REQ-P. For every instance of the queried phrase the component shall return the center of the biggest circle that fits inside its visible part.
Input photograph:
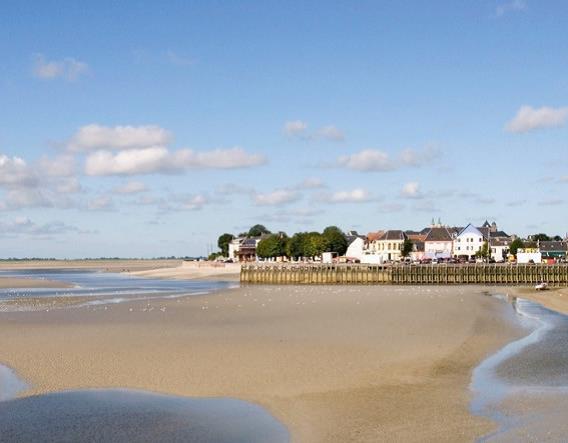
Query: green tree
(296, 245)
(314, 245)
(540, 237)
(213, 256)
(257, 231)
(515, 246)
(557, 238)
(407, 247)
(223, 243)
(483, 251)
(272, 246)
(335, 240)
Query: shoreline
(331, 363)
(555, 299)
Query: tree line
(300, 244)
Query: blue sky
(147, 129)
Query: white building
(390, 244)
(438, 243)
(468, 242)
(355, 249)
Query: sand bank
(195, 270)
(16, 283)
(100, 265)
(333, 363)
(553, 298)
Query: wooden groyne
(439, 274)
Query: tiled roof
(393, 235)
(549, 246)
(438, 234)
(372, 236)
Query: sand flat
(332, 363)
(19, 283)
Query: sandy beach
(195, 270)
(119, 265)
(332, 363)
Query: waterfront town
(436, 243)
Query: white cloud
(411, 190)
(62, 166)
(411, 157)
(529, 119)
(132, 187)
(68, 68)
(194, 203)
(95, 137)
(18, 198)
(367, 160)
(277, 197)
(299, 129)
(357, 195)
(69, 185)
(295, 128)
(310, 183)
(23, 226)
(330, 133)
(14, 171)
(512, 6)
(41, 184)
(101, 203)
(158, 159)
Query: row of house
(434, 242)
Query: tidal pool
(116, 415)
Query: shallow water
(134, 416)
(10, 384)
(107, 287)
(525, 384)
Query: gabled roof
(550, 246)
(500, 234)
(438, 234)
(393, 235)
(470, 229)
(416, 237)
(372, 236)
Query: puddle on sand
(10, 384)
(117, 415)
(525, 384)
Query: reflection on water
(528, 375)
(135, 416)
(111, 288)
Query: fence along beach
(475, 274)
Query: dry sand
(118, 265)
(333, 363)
(195, 270)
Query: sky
(145, 129)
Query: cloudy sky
(145, 129)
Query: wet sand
(332, 363)
(28, 283)
(553, 298)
